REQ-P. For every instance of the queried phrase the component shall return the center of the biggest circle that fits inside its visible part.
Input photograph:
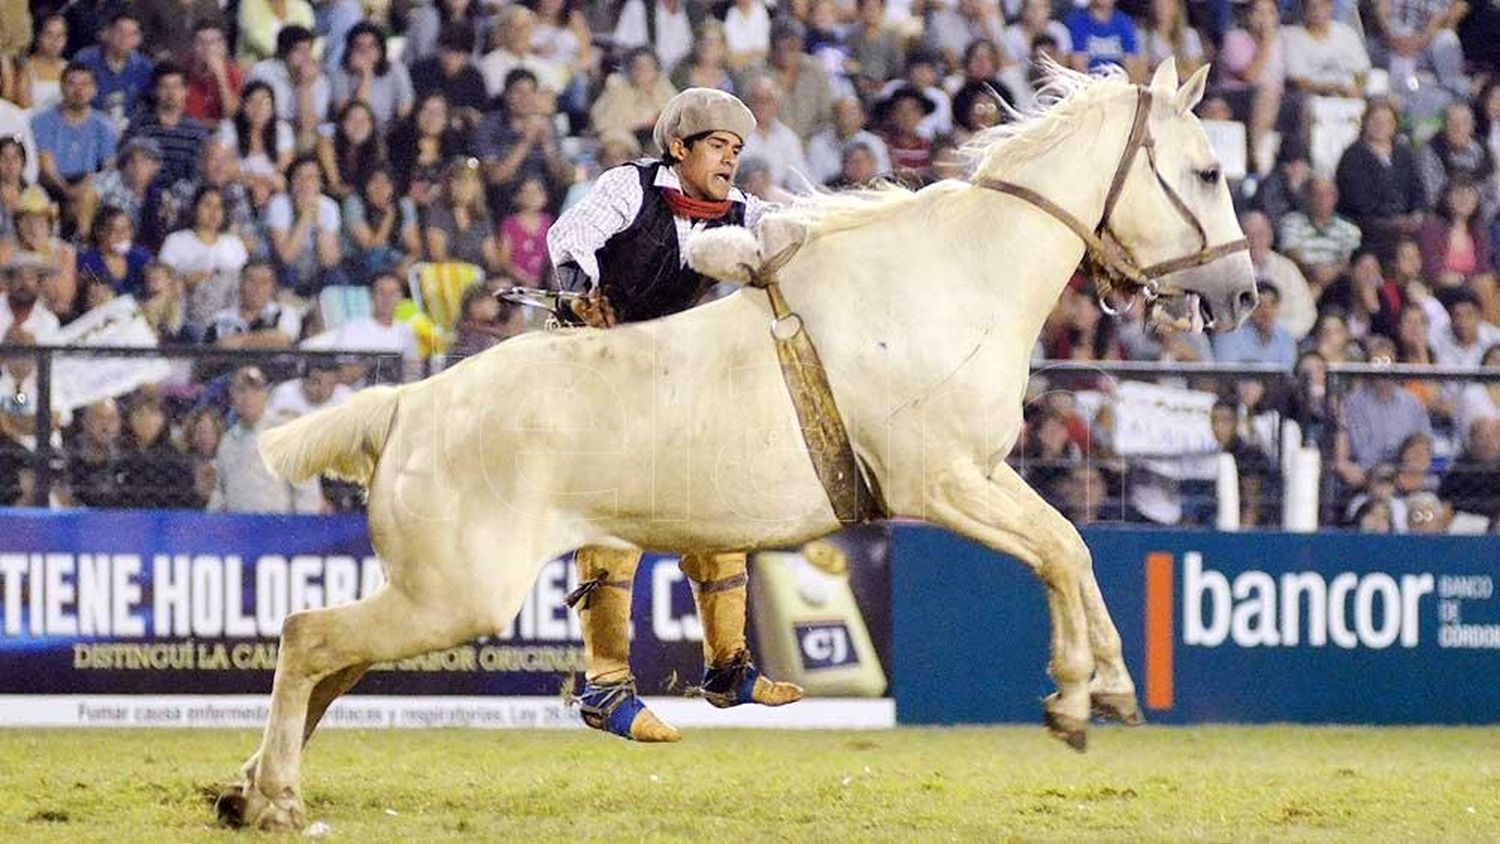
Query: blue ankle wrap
(610, 707)
(731, 685)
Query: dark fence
(1381, 449)
(1115, 441)
(139, 426)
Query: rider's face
(707, 168)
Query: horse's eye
(1209, 176)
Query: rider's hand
(595, 310)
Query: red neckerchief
(695, 209)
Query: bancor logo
(1256, 609)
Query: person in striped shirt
(1316, 237)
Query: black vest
(640, 268)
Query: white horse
(678, 434)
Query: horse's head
(1175, 216)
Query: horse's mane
(1063, 97)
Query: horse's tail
(342, 442)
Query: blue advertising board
(1250, 627)
(148, 604)
(1217, 627)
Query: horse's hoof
(230, 806)
(1074, 732)
(1071, 731)
(281, 818)
(1117, 706)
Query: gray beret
(699, 110)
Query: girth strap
(853, 498)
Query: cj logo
(824, 644)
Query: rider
(623, 246)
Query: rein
(1107, 260)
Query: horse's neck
(998, 263)
(1076, 171)
(1075, 174)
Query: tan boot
(730, 677)
(608, 700)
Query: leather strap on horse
(851, 495)
(1107, 260)
(1106, 255)
(1139, 126)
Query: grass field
(1151, 783)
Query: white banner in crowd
(1153, 421)
(79, 380)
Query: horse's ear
(1192, 91)
(1165, 78)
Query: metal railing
(1126, 472)
(385, 367)
(1341, 379)
(1285, 401)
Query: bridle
(1109, 261)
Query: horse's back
(668, 419)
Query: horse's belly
(733, 468)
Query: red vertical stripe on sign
(1159, 638)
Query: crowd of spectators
(275, 174)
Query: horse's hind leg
(1003, 513)
(324, 693)
(328, 690)
(329, 646)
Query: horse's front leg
(1112, 691)
(1000, 511)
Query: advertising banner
(168, 605)
(1217, 627)
(1152, 420)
